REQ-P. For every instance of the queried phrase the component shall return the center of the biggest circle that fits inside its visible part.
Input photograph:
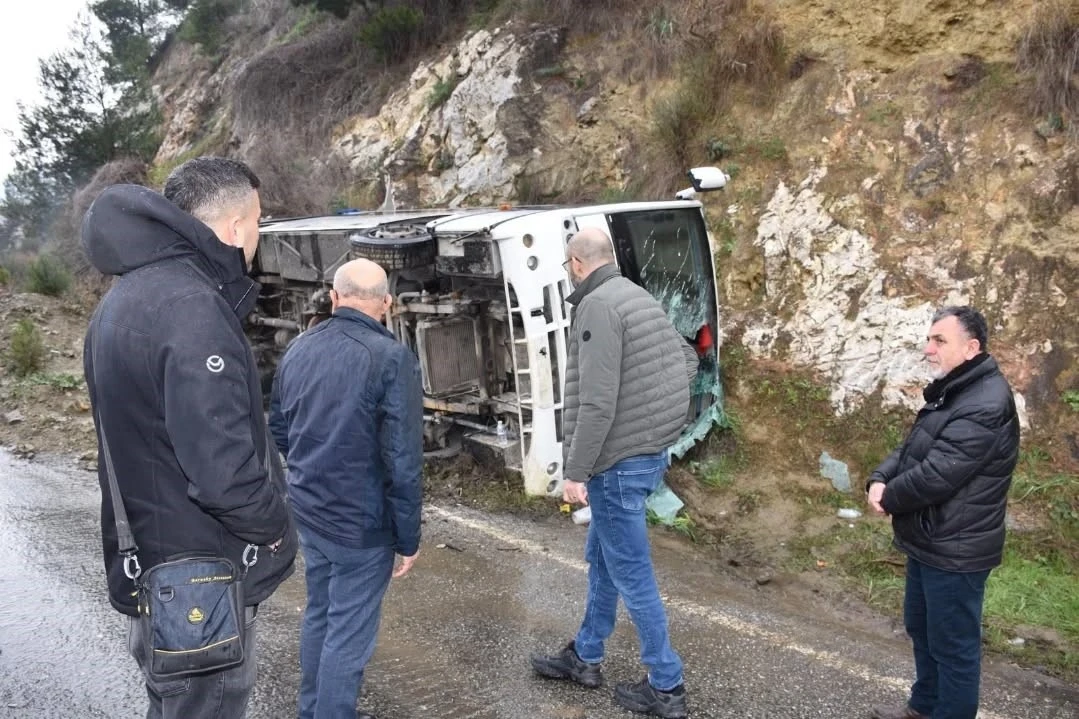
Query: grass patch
(1048, 56)
(1033, 594)
(1037, 586)
(26, 353)
(60, 381)
(1069, 397)
(884, 114)
(682, 524)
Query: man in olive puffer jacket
(946, 489)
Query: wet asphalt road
(456, 633)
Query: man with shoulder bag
(195, 523)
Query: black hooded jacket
(174, 385)
(947, 484)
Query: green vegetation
(1033, 595)
(26, 353)
(205, 24)
(5, 276)
(1069, 397)
(441, 91)
(47, 276)
(392, 32)
(60, 381)
(1048, 56)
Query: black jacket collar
(960, 377)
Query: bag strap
(125, 540)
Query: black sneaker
(644, 698)
(567, 665)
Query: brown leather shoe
(894, 712)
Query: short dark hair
(971, 320)
(208, 186)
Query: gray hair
(345, 286)
(208, 187)
(970, 319)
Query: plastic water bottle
(582, 515)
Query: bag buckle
(251, 555)
(131, 567)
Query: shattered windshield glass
(665, 251)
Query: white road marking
(710, 614)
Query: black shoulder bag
(191, 608)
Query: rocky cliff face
(905, 171)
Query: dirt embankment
(47, 410)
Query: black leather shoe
(567, 665)
(644, 698)
(895, 712)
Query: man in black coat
(176, 392)
(946, 490)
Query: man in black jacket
(347, 411)
(176, 392)
(946, 489)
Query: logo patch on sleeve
(586, 335)
(215, 364)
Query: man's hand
(874, 497)
(404, 565)
(575, 492)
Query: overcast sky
(29, 30)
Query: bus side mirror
(708, 178)
(704, 179)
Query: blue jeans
(620, 565)
(345, 587)
(943, 615)
(217, 695)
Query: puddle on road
(61, 644)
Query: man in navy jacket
(175, 390)
(347, 412)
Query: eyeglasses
(565, 265)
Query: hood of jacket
(129, 226)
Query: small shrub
(392, 32)
(676, 119)
(1070, 397)
(26, 354)
(46, 276)
(5, 276)
(441, 91)
(1049, 54)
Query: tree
(135, 29)
(81, 122)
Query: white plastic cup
(582, 515)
